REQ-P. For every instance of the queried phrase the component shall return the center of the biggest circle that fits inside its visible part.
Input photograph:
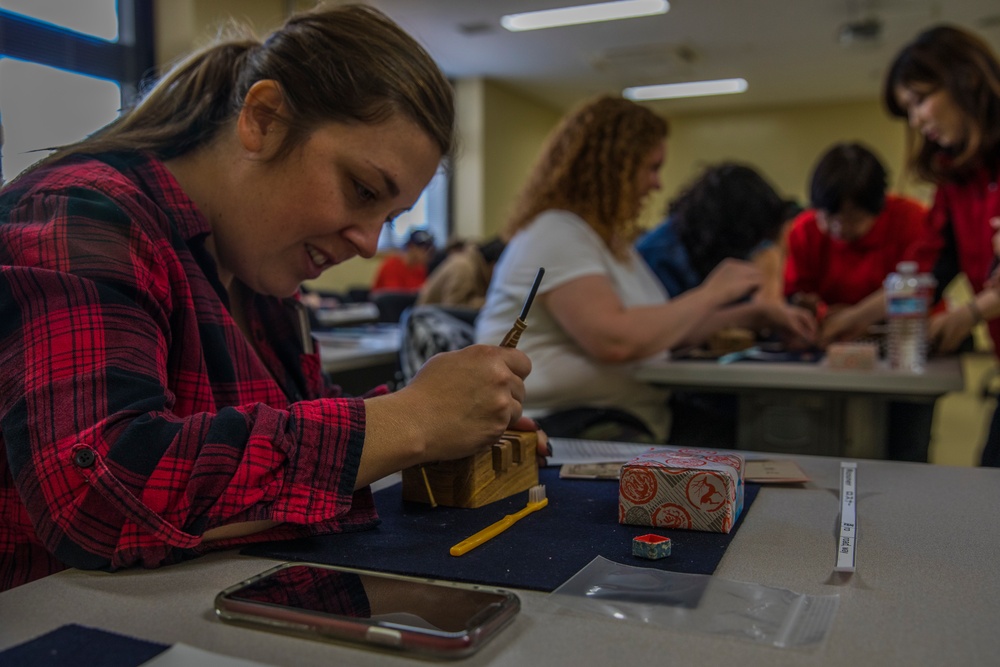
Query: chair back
(427, 330)
(392, 304)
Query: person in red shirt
(840, 250)
(161, 397)
(407, 271)
(946, 84)
(839, 253)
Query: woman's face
(649, 171)
(322, 204)
(934, 113)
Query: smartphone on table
(377, 609)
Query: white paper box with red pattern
(692, 489)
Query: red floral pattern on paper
(706, 491)
(726, 459)
(684, 462)
(671, 515)
(692, 451)
(638, 485)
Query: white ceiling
(788, 50)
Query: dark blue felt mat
(539, 552)
(76, 645)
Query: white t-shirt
(563, 375)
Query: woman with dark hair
(852, 237)
(730, 211)
(946, 83)
(161, 396)
(599, 310)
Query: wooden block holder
(510, 466)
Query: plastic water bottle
(907, 297)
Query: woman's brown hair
(589, 166)
(347, 64)
(945, 57)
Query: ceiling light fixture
(689, 89)
(601, 11)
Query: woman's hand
(468, 398)
(798, 324)
(810, 301)
(732, 280)
(457, 404)
(529, 424)
(946, 331)
(993, 280)
(844, 324)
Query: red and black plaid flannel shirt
(135, 415)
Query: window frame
(127, 61)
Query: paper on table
(594, 459)
(780, 471)
(568, 450)
(610, 470)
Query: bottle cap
(906, 267)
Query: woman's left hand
(529, 424)
(797, 323)
(844, 324)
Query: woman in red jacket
(946, 83)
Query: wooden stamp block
(510, 466)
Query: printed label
(906, 306)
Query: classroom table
(926, 590)
(360, 358)
(347, 314)
(351, 348)
(808, 408)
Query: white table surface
(943, 374)
(358, 347)
(926, 592)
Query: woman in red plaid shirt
(159, 396)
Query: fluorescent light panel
(689, 89)
(602, 11)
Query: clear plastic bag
(699, 603)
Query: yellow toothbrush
(536, 501)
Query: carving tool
(536, 501)
(514, 335)
(510, 340)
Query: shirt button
(84, 458)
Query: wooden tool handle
(514, 335)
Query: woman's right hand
(457, 404)
(733, 280)
(468, 397)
